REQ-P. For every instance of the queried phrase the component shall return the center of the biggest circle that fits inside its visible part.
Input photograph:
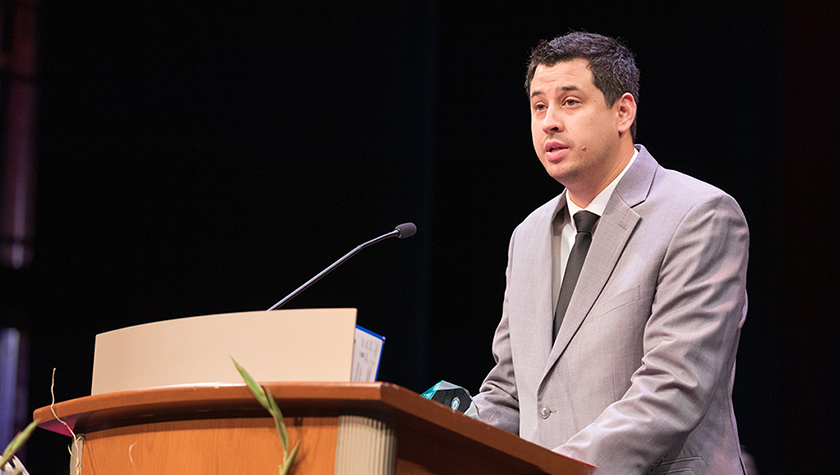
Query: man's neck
(583, 195)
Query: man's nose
(552, 121)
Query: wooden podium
(343, 428)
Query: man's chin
(559, 172)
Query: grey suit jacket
(639, 379)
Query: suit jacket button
(545, 412)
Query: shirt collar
(599, 204)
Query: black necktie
(584, 222)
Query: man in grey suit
(639, 376)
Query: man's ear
(626, 109)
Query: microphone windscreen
(406, 230)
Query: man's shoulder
(672, 185)
(673, 195)
(682, 185)
(676, 190)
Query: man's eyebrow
(565, 88)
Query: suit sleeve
(690, 340)
(497, 401)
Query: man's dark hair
(613, 67)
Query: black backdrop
(208, 157)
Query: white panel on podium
(282, 345)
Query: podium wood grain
(223, 430)
(247, 445)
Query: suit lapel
(542, 322)
(614, 230)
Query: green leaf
(18, 442)
(278, 421)
(255, 388)
(289, 459)
(266, 399)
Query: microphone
(405, 230)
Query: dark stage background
(209, 157)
